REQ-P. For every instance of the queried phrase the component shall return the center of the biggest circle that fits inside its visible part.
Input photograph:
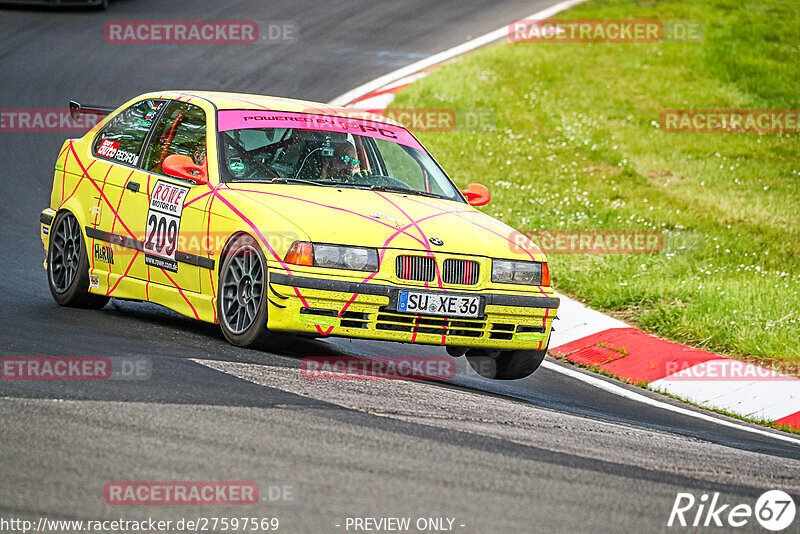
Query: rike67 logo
(774, 510)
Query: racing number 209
(163, 225)
(162, 234)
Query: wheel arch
(59, 212)
(226, 249)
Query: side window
(121, 139)
(401, 165)
(181, 130)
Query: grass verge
(576, 145)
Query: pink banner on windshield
(239, 119)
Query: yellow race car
(274, 217)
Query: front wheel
(242, 298)
(505, 365)
(68, 265)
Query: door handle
(133, 186)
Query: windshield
(299, 148)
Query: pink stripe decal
(124, 274)
(64, 177)
(347, 305)
(544, 323)
(114, 222)
(86, 173)
(406, 227)
(470, 212)
(415, 223)
(217, 194)
(208, 247)
(181, 292)
(97, 213)
(78, 184)
(329, 207)
(466, 212)
(187, 204)
(416, 325)
(239, 119)
(147, 284)
(370, 277)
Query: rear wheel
(68, 265)
(242, 298)
(505, 365)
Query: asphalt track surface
(544, 454)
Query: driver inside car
(341, 165)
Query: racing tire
(505, 365)
(68, 265)
(242, 298)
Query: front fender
(232, 212)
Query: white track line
(414, 68)
(632, 395)
(441, 57)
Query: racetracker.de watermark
(75, 368)
(147, 524)
(605, 31)
(441, 119)
(45, 120)
(181, 493)
(391, 368)
(201, 32)
(161, 241)
(589, 241)
(727, 370)
(731, 121)
(194, 493)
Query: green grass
(576, 145)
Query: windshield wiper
(291, 181)
(394, 189)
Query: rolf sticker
(163, 225)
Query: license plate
(439, 304)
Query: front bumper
(333, 307)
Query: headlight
(333, 256)
(520, 272)
(353, 258)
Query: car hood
(387, 220)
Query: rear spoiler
(76, 109)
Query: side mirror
(477, 194)
(181, 166)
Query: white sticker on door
(163, 225)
